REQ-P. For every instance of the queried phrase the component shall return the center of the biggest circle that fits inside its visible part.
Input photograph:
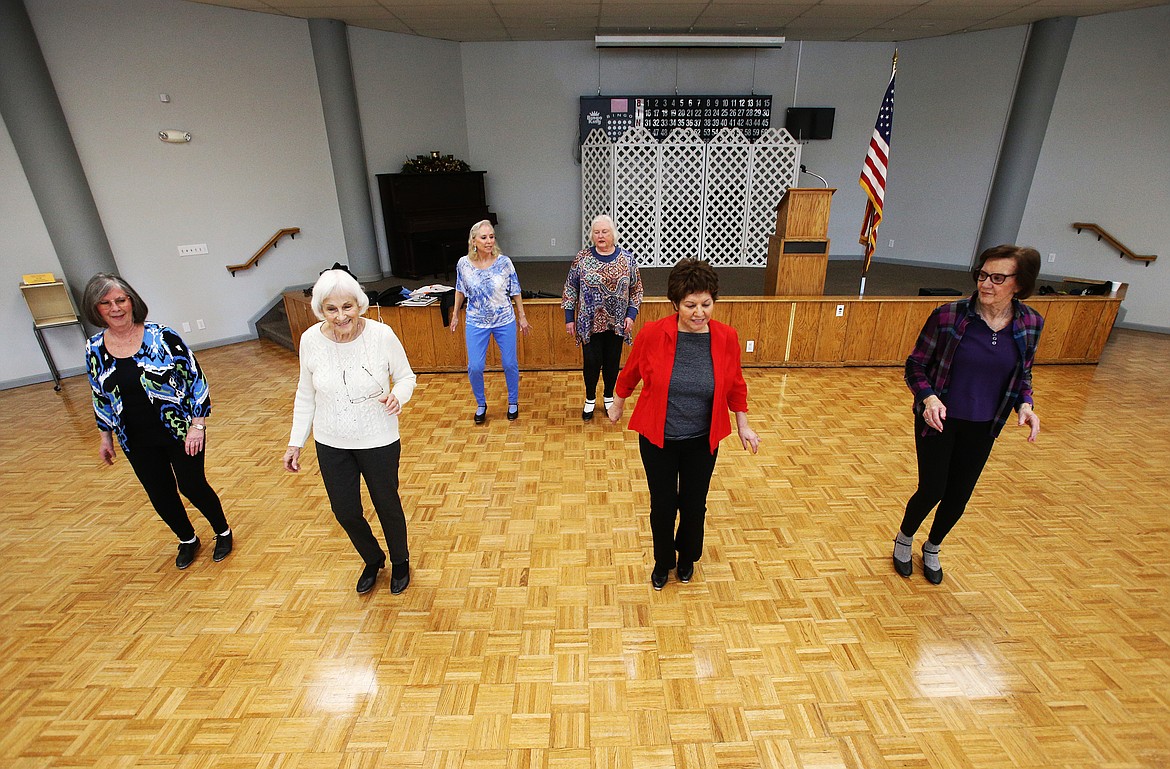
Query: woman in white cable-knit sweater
(355, 379)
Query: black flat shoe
(933, 576)
(686, 571)
(223, 547)
(587, 415)
(480, 417)
(658, 580)
(399, 583)
(513, 414)
(905, 568)
(187, 551)
(366, 581)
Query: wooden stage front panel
(787, 331)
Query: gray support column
(347, 151)
(1044, 57)
(36, 122)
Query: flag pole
(873, 175)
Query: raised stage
(787, 331)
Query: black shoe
(480, 417)
(658, 579)
(905, 568)
(933, 576)
(685, 572)
(513, 414)
(399, 577)
(187, 551)
(588, 415)
(223, 547)
(367, 579)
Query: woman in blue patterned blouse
(486, 282)
(971, 367)
(603, 292)
(150, 392)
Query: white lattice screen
(683, 197)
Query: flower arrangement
(436, 162)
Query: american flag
(873, 173)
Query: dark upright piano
(428, 217)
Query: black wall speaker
(805, 123)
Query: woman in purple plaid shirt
(971, 367)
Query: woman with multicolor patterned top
(486, 283)
(603, 292)
(149, 391)
(971, 367)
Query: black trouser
(603, 357)
(949, 465)
(679, 476)
(341, 471)
(164, 471)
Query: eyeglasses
(366, 388)
(995, 277)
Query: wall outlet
(193, 250)
(552, 242)
(199, 324)
(751, 345)
(1052, 257)
(186, 327)
(840, 310)
(891, 242)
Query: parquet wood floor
(530, 635)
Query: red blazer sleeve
(737, 387)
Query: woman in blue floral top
(149, 391)
(486, 283)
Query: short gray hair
(338, 283)
(608, 220)
(98, 286)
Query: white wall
(26, 248)
(522, 110)
(410, 96)
(244, 85)
(1106, 159)
(952, 99)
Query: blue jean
(477, 344)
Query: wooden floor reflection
(530, 635)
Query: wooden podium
(798, 252)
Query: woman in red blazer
(689, 367)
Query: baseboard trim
(67, 373)
(1143, 327)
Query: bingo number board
(662, 114)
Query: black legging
(164, 471)
(342, 471)
(678, 476)
(949, 465)
(603, 357)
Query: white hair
(608, 220)
(338, 283)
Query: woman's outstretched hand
(292, 459)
